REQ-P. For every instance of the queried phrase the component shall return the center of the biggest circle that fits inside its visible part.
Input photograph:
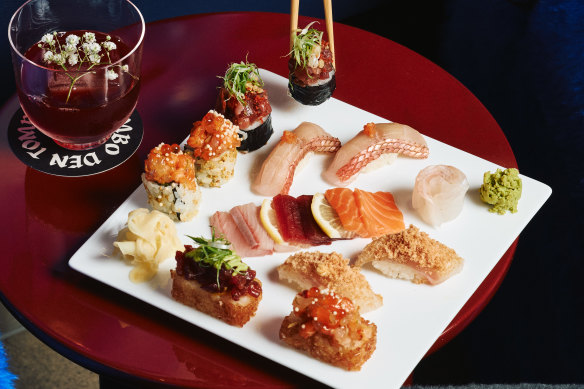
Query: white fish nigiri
(439, 193)
(374, 141)
(277, 171)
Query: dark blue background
(525, 61)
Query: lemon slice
(327, 218)
(270, 222)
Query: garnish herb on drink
(76, 53)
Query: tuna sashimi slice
(379, 213)
(312, 231)
(289, 219)
(343, 202)
(224, 224)
(295, 221)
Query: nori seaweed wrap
(312, 95)
(254, 138)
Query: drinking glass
(77, 67)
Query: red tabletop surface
(47, 218)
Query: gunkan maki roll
(243, 100)
(312, 72)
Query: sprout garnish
(215, 253)
(237, 77)
(304, 42)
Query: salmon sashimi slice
(367, 214)
(343, 202)
(379, 213)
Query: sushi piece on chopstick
(213, 143)
(278, 169)
(243, 100)
(370, 148)
(311, 67)
(169, 179)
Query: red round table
(47, 218)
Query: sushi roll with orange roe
(311, 69)
(243, 100)
(213, 143)
(169, 179)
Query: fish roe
(322, 311)
(212, 136)
(167, 164)
(369, 130)
(289, 137)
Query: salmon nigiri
(365, 213)
(374, 141)
(277, 171)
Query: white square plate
(412, 316)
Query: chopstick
(328, 16)
(293, 21)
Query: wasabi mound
(502, 190)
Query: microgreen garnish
(215, 252)
(305, 41)
(77, 51)
(239, 76)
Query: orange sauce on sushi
(167, 164)
(212, 136)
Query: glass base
(82, 146)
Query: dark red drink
(79, 107)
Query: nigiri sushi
(375, 140)
(439, 193)
(311, 68)
(213, 143)
(329, 271)
(277, 171)
(411, 255)
(169, 179)
(243, 100)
